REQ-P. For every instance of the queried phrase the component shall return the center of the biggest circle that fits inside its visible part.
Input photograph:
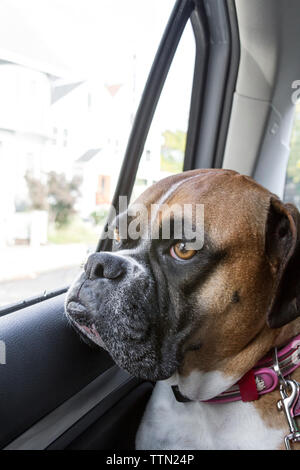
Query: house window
(89, 100)
(65, 139)
(103, 190)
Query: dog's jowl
(202, 322)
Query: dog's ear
(283, 253)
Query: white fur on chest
(168, 424)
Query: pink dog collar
(261, 379)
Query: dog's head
(160, 307)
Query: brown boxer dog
(199, 319)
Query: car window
(164, 149)
(292, 184)
(70, 83)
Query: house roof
(87, 156)
(113, 89)
(60, 89)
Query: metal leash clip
(289, 391)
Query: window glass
(292, 184)
(71, 77)
(165, 146)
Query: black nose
(104, 265)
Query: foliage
(37, 193)
(292, 189)
(62, 197)
(293, 169)
(172, 151)
(57, 194)
(175, 140)
(99, 216)
(75, 232)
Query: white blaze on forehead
(169, 193)
(182, 215)
(144, 225)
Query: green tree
(37, 192)
(57, 194)
(292, 186)
(293, 169)
(175, 140)
(172, 151)
(62, 197)
(99, 217)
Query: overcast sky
(83, 36)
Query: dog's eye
(117, 237)
(179, 251)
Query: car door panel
(46, 364)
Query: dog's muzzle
(97, 267)
(114, 304)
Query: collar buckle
(289, 392)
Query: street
(26, 272)
(20, 289)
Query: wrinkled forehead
(233, 206)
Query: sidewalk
(24, 262)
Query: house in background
(53, 124)
(70, 126)
(97, 181)
(25, 97)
